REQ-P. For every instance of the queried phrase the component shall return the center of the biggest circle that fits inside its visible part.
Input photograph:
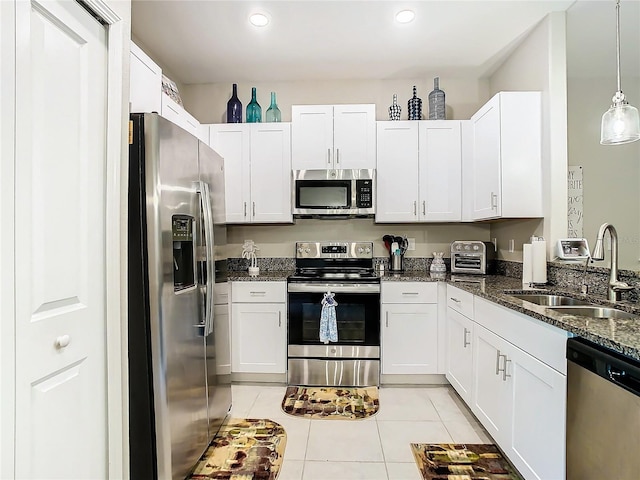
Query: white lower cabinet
(460, 353)
(519, 398)
(258, 327)
(409, 328)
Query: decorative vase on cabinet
(273, 112)
(414, 105)
(395, 109)
(234, 107)
(436, 102)
(254, 112)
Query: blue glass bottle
(234, 107)
(254, 112)
(273, 112)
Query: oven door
(357, 318)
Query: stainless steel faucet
(616, 287)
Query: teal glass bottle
(273, 112)
(254, 112)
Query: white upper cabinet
(174, 112)
(397, 172)
(257, 170)
(145, 82)
(419, 171)
(333, 136)
(506, 157)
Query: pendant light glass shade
(620, 124)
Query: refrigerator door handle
(205, 201)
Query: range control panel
(334, 250)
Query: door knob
(62, 341)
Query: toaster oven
(470, 256)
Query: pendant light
(620, 124)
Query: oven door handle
(333, 287)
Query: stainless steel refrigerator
(177, 401)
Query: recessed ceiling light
(405, 16)
(259, 19)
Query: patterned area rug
(331, 403)
(244, 449)
(445, 461)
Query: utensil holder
(396, 262)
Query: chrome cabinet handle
(254, 209)
(424, 207)
(245, 209)
(465, 343)
(494, 201)
(328, 155)
(498, 370)
(410, 293)
(415, 208)
(337, 155)
(504, 372)
(387, 319)
(455, 299)
(257, 293)
(279, 319)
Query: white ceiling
(212, 41)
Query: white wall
(611, 174)
(539, 63)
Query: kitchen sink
(548, 300)
(593, 311)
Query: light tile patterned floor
(372, 449)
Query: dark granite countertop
(263, 276)
(620, 335)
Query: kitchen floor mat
(444, 461)
(331, 403)
(244, 448)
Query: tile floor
(374, 449)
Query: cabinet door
(177, 114)
(486, 161)
(491, 397)
(258, 338)
(537, 444)
(460, 353)
(397, 172)
(409, 338)
(232, 141)
(440, 171)
(271, 173)
(222, 339)
(354, 136)
(311, 137)
(145, 82)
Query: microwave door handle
(205, 198)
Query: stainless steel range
(344, 269)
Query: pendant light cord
(618, 41)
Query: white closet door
(60, 171)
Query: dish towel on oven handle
(328, 322)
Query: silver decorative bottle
(436, 102)
(395, 109)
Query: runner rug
(447, 461)
(244, 449)
(331, 403)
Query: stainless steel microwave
(333, 193)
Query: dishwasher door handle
(622, 378)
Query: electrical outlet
(411, 244)
(511, 245)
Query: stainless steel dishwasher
(603, 413)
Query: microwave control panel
(364, 193)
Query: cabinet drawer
(460, 301)
(258, 292)
(409, 292)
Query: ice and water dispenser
(183, 262)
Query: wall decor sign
(575, 206)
